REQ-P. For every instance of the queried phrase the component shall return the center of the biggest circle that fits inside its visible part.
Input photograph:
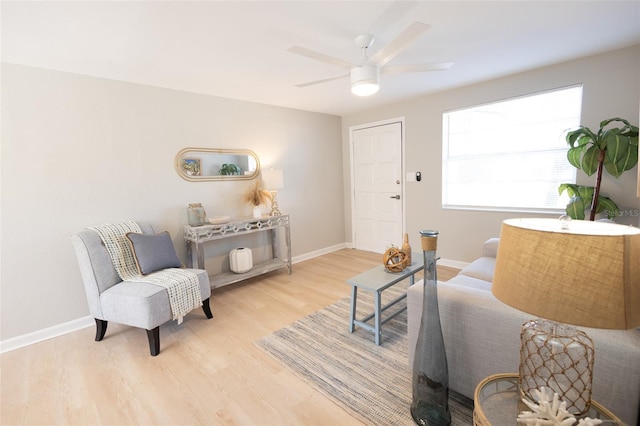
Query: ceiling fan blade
(399, 43)
(312, 54)
(391, 15)
(401, 69)
(325, 80)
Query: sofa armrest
(482, 268)
(490, 247)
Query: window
(510, 155)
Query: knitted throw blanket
(181, 285)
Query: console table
(199, 236)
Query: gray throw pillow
(153, 252)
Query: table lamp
(577, 272)
(273, 180)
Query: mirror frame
(194, 151)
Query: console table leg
(274, 244)
(189, 255)
(287, 234)
(200, 253)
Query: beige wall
(79, 151)
(611, 89)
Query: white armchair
(138, 304)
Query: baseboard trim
(45, 334)
(317, 253)
(88, 321)
(453, 263)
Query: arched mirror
(204, 164)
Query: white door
(377, 187)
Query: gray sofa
(482, 337)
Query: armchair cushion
(142, 304)
(153, 252)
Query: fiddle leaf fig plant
(229, 169)
(577, 205)
(614, 149)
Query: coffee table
(377, 280)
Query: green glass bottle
(430, 400)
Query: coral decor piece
(550, 411)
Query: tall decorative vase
(430, 401)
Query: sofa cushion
(481, 268)
(153, 252)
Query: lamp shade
(273, 179)
(587, 275)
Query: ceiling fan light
(364, 80)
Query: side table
(497, 403)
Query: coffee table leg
(378, 316)
(354, 298)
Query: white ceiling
(238, 49)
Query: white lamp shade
(273, 179)
(364, 80)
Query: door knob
(397, 197)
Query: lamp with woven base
(581, 273)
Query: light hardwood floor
(208, 371)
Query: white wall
(79, 151)
(611, 89)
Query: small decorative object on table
(430, 400)
(240, 260)
(497, 401)
(219, 220)
(394, 260)
(549, 410)
(257, 197)
(406, 249)
(196, 216)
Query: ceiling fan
(365, 76)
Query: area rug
(372, 382)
